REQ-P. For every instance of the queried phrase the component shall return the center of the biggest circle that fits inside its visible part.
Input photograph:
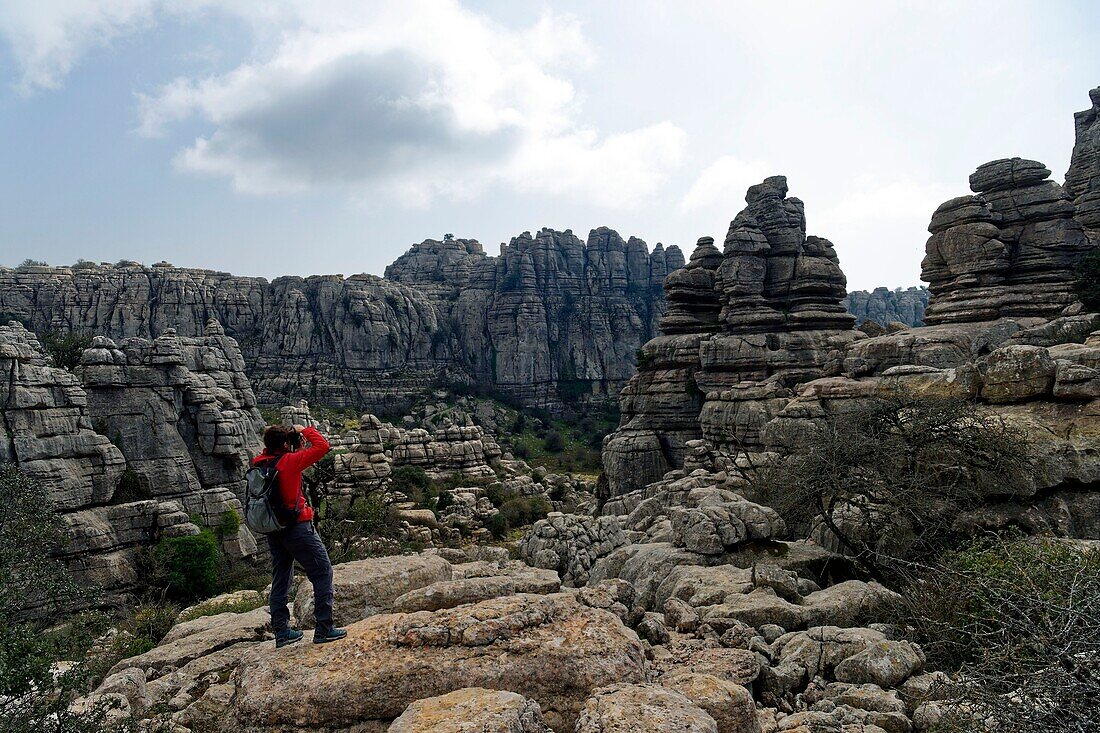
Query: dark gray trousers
(300, 543)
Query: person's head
(281, 439)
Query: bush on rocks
(1019, 620)
(187, 567)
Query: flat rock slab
(199, 638)
(549, 648)
(451, 593)
(643, 709)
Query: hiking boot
(324, 636)
(282, 638)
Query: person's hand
(299, 428)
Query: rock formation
(144, 436)
(1008, 251)
(885, 306)
(743, 327)
(551, 318)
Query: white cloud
(48, 36)
(412, 100)
(724, 183)
(873, 200)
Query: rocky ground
(448, 639)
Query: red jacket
(290, 467)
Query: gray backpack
(260, 512)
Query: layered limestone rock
(551, 318)
(364, 467)
(1083, 176)
(886, 307)
(743, 328)
(557, 651)
(143, 436)
(1050, 393)
(46, 428)
(1008, 251)
(465, 450)
(180, 409)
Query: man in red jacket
(299, 540)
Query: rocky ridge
(744, 326)
(551, 318)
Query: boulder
(642, 708)
(885, 663)
(472, 709)
(451, 593)
(367, 587)
(729, 703)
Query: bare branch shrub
(884, 478)
(1017, 623)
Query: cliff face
(552, 315)
(142, 436)
(885, 306)
(551, 318)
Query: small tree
(35, 587)
(67, 347)
(554, 442)
(885, 479)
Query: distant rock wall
(551, 319)
(885, 306)
(553, 315)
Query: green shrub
(1019, 621)
(497, 525)
(187, 567)
(66, 348)
(152, 620)
(226, 606)
(524, 510)
(496, 494)
(31, 577)
(229, 523)
(554, 442)
(409, 480)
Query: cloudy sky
(293, 136)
